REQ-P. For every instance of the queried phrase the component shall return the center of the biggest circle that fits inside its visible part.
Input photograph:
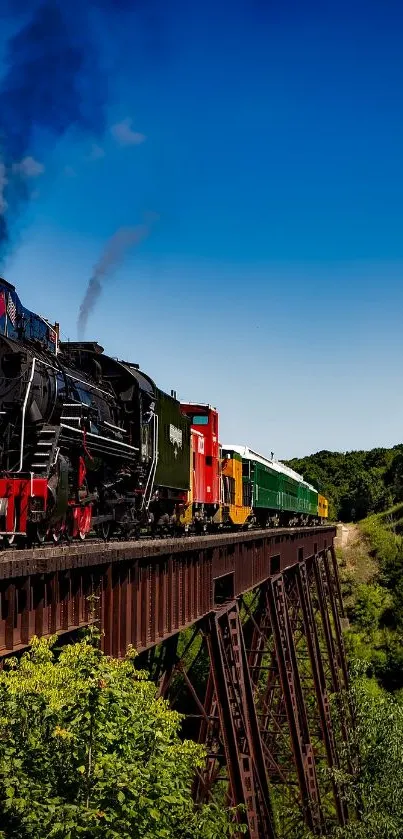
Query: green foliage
(394, 477)
(375, 608)
(375, 793)
(381, 536)
(87, 750)
(356, 483)
(374, 642)
(371, 602)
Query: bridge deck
(148, 589)
(21, 562)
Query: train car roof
(276, 465)
(199, 405)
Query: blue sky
(268, 138)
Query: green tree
(357, 482)
(87, 750)
(366, 494)
(394, 478)
(374, 792)
(370, 603)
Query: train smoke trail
(112, 256)
(53, 81)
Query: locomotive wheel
(104, 530)
(57, 533)
(41, 532)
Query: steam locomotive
(89, 443)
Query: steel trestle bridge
(262, 610)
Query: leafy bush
(375, 608)
(375, 793)
(87, 750)
(370, 604)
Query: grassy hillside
(372, 578)
(371, 564)
(357, 483)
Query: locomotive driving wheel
(104, 530)
(41, 531)
(57, 533)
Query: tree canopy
(357, 483)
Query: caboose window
(200, 420)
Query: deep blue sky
(271, 285)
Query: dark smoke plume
(112, 256)
(53, 82)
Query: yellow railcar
(323, 507)
(234, 508)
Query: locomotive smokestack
(113, 255)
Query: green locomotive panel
(173, 468)
(266, 488)
(273, 489)
(309, 500)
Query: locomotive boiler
(87, 441)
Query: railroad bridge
(242, 633)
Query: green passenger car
(308, 499)
(278, 493)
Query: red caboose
(205, 466)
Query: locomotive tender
(89, 443)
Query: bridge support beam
(263, 711)
(243, 747)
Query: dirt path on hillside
(355, 553)
(350, 533)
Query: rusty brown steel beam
(148, 590)
(236, 550)
(286, 736)
(318, 674)
(294, 703)
(332, 657)
(334, 595)
(239, 726)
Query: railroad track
(40, 559)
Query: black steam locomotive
(87, 442)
